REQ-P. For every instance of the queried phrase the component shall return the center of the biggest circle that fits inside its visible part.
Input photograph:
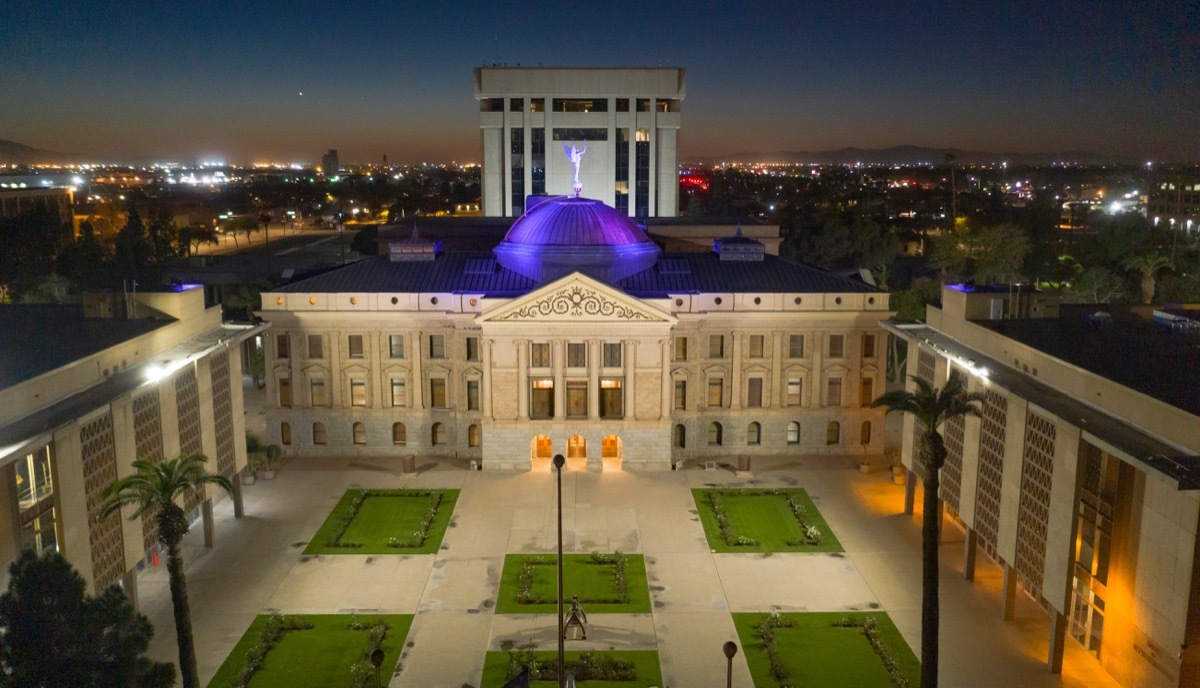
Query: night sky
(197, 80)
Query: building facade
(83, 394)
(627, 119)
(576, 335)
(1175, 205)
(1081, 476)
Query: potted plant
(254, 453)
(270, 455)
(899, 473)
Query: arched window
(360, 433)
(399, 433)
(833, 432)
(318, 433)
(714, 434)
(754, 434)
(793, 433)
(866, 432)
(439, 433)
(285, 433)
(473, 436)
(680, 436)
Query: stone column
(629, 359)
(418, 395)
(910, 492)
(239, 509)
(668, 385)
(210, 529)
(375, 387)
(593, 360)
(1058, 639)
(817, 346)
(1008, 593)
(735, 375)
(522, 380)
(485, 386)
(969, 550)
(558, 361)
(333, 386)
(778, 384)
(129, 587)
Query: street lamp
(730, 649)
(377, 660)
(559, 462)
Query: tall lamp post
(559, 462)
(730, 649)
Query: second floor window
(837, 346)
(577, 399)
(316, 347)
(396, 346)
(399, 394)
(716, 390)
(681, 395)
(612, 355)
(358, 392)
(681, 348)
(354, 346)
(796, 346)
(756, 346)
(716, 346)
(754, 392)
(576, 354)
(472, 348)
(794, 387)
(539, 355)
(285, 392)
(472, 395)
(283, 347)
(316, 392)
(437, 346)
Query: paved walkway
(258, 565)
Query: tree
(161, 233)
(154, 488)
(365, 241)
(190, 238)
(57, 636)
(132, 254)
(931, 407)
(1148, 265)
(1096, 285)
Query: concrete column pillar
(10, 517)
(418, 355)
(129, 586)
(485, 390)
(210, 527)
(910, 492)
(735, 374)
(522, 380)
(817, 346)
(239, 509)
(771, 396)
(1058, 639)
(1008, 594)
(629, 359)
(668, 385)
(558, 359)
(969, 551)
(594, 360)
(333, 386)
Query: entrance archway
(611, 451)
(577, 452)
(541, 449)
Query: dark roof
(1140, 355)
(35, 339)
(476, 272)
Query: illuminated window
(360, 433)
(537, 104)
(399, 393)
(754, 434)
(612, 399)
(399, 433)
(794, 387)
(437, 392)
(539, 355)
(358, 392)
(793, 433)
(754, 392)
(541, 399)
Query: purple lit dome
(565, 234)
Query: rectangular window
(396, 346)
(539, 355)
(580, 104)
(641, 169)
(437, 392)
(541, 399)
(622, 105)
(621, 172)
(866, 391)
(576, 354)
(754, 387)
(316, 392)
(794, 387)
(517, 176)
(516, 104)
(868, 343)
(537, 104)
(837, 346)
(612, 399)
(285, 392)
(612, 355)
(833, 392)
(643, 105)
(716, 346)
(681, 348)
(577, 399)
(716, 391)
(756, 346)
(358, 392)
(283, 347)
(472, 348)
(399, 394)
(437, 346)
(537, 162)
(680, 395)
(354, 346)
(316, 346)
(472, 395)
(796, 346)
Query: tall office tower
(626, 121)
(329, 163)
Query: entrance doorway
(541, 449)
(610, 452)
(577, 452)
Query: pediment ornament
(576, 300)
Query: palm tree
(1148, 265)
(154, 488)
(931, 407)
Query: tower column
(523, 380)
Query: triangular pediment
(577, 298)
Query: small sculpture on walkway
(576, 619)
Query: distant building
(1176, 205)
(329, 163)
(13, 202)
(86, 391)
(1081, 477)
(629, 119)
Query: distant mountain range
(13, 153)
(911, 155)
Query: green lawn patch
(385, 522)
(316, 650)
(763, 520)
(498, 667)
(529, 583)
(826, 649)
